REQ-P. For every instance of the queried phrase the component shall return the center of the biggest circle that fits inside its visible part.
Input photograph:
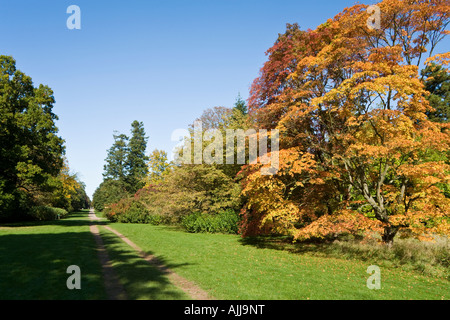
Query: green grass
(34, 257)
(230, 268)
(141, 280)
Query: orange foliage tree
(357, 151)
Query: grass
(34, 257)
(141, 280)
(427, 258)
(232, 268)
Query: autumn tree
(196, 188)
(158, 167)
(351, 110)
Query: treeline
(35, 180)
(362, 115)
(200, 197)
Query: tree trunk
(388, 235)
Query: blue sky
(161, 62)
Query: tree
(80, 200)
(240, 105)
(350, 108)
(196, 188)
(109, 192)
(126, 159)
(158, 167)
(136, 161)
(116, 160)
(31, 151)
(437, 82)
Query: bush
(430, 258)
(222, 222)
(129, 210)
(44, 213)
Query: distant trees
(126, 160)
(109, 191)
(177, 191)
(125, 167)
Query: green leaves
(31, 150)
(437, 82)
(126, 160)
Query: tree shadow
(141, 279)
(33, 266)
(285, 243)
(72, 220)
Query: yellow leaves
(442, 59)
(368, 151)
(354, 106)
(427, 173)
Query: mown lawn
(140, 280)
(230, 268)
(34, 258)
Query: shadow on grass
(33, 266)
(286, 243)
(140, 279)
(34, 262)
(72, 220)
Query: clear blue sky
(161, 62)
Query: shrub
(223, 222)
(45, 213)
(129, 210)
(430, 258)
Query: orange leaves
(345, 221)
(351, 111)
(442, 59)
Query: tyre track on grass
(113, 287)
(189, 287)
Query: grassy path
(190, 288)
(113, 287)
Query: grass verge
(231, 268)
